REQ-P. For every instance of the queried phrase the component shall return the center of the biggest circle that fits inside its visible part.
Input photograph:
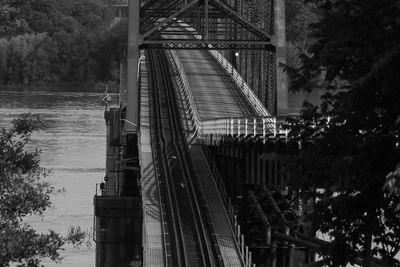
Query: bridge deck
(222, 226)
(214, 92)
(153, 253)
(215, 98)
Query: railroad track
(190, 239)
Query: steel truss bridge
(194, 147)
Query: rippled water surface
(73, 147)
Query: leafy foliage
(22, 193)
(299, 17)
(54, 40)
(350, 144)
(77, 237)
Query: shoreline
(84, 87)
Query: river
(73, 148)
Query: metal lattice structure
(258, 68)
(243, 29)
(206, 22)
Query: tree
(350, 144)
(299, 16)
(22, 193)
(54, 40)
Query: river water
(73, 147)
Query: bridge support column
(130, 188)
(238, 176)
(117, 231)
(131, 120)
(258, 166)
(112, 117)
(122, 83)
(132, 108)
(273, 254)
(280, 39)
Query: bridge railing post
(263, 126)
(226, 126)
(244, 87)
(273, 254)
(250, 264)
(237, 230)
(255, 126)
(247, 255)
(231, 126)
(242, 246)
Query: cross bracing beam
(242, 29)
(227, 10)
(159, 27)
(146, 5)
(151, 17)
(212, 19)
(215, 18)
(206, 45)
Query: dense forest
(51, 41)
(350, 143)
(300, 16)
(48, 41)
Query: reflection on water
(73, 147)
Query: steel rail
(166, 237)
(190, 234)
(170, 196)
(183, 156)
(184, 216)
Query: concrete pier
(118, 226)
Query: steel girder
(209, 17)
(242, 29)
(202, 45)
(158, 15)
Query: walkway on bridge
(216, 95)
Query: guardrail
(120, 11)
(183, 83)
(262, 127)
(241, 83)
(239, 237)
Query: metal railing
(183, 83)
(263, 127)
(244, 251)
(258, 126)
(120, 11)
(241, 83)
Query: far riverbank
(90, 87)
